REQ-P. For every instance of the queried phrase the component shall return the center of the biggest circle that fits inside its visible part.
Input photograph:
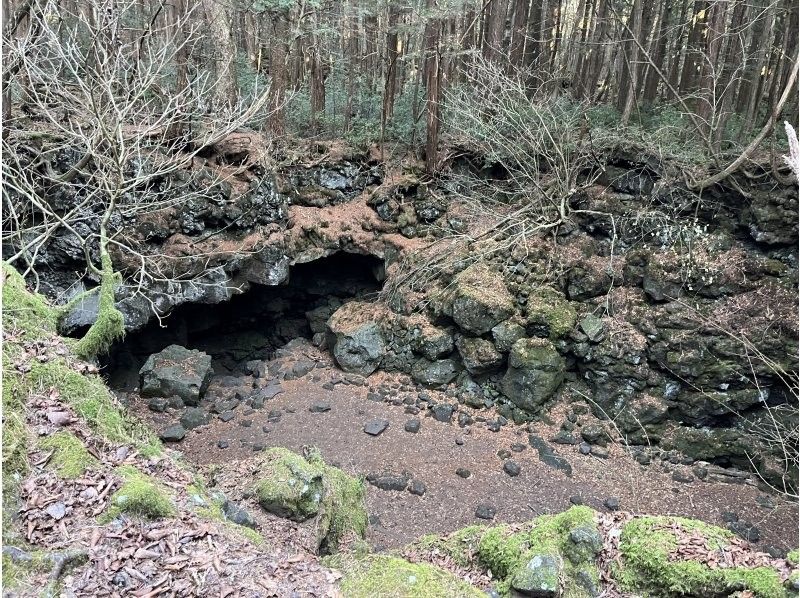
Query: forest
(429, 299)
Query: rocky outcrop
(535, 371)
(176, 371)
(480, 300)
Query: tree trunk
(226, 89)
(279, 28)
(432, 80)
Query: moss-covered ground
(141, 495)
(648, 563)
(69, 456)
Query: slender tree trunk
(226, 90)
(279, 29)
(519, 24)
(432, 89)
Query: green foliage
(648, 566)
(139, 495)
(460, 546)
(383, 575)
(70, 457)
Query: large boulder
(431, 341)
(176, 371)
(480, 300)
(302, 488)
(535, 371)
(356, 339)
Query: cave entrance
(252, 325)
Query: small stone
(223, 444)
(157, 404)
(237, 514)
(585, 448)
(389, 481)
(175, 402)
(227, 416)
(504, 454)
(518, 447)
(512, 468)
(611, 503)
(376, 427)
(274, 416)
(258, 447)
(464, 419)
(320, 407)
(485, 512)
(174, 433)
(374, 396)
(193, 417)
(564, 437)
(329, 386)
(443, 413)
(682, 477)
(579, 409)
(463, 472)
(576, 499)
(246, 423)
(266, 429)
(412, 425)
(417, 488)
(600, 452)
(459, 441)
(56, 511)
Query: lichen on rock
(479, 300)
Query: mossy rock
(650, 567)
(24, 311)
(565, 545)
(535, 371)
(479, 300)
(300, 488)
(139, 495)
(460, 546)
(375, 576)
(549, 310)
(70, 458)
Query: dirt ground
(434, 453)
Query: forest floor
(310, 410)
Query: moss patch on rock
(550, 310)
(139, 495)
(649, 565)
(300, 488)
(70, 458)
(383, 575)
(460, 546)
(24, 311)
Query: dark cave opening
(252, 325)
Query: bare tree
(110, 109)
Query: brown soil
(432, 456)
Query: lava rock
(223, 405)
(389, 481)
(320, 407)
(594, 434)
(480, 300)
(227, 416)
(157, 404)
(434, 373)
(535, 371)
(376, 427)
(547, 456)
(539, 577)
(412, 425)
(194, 417)
(357, 347)
(505, 334)
(463, 473)
(479, 355)
(512, 468)
(176, 371)
(600, 452)
(611, 503)
(484, 511)
(417, 488)
(174, 433)
(432, 342)
(745, 530)
(237, 514)
(585, 448)
(443, 413)
(223, 444)
(564, 437)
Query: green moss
(300, 488)
(214, 512)
(793, 558)
(548, 308)
(383, 575)
(92, 401)
(24, 311)
(139, 495)
(20, 575)
(70, 457)
(646, 545)
(460, 546)
(110, 323)
(505, 553)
